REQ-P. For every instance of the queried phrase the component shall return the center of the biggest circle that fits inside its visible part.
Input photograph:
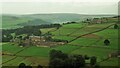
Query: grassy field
(31, 54)
(100, 53)
(68, 29)
(110, 62)
(45, 30)
(91, 45)
(13, 21)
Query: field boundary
(91, 33)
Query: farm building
(114, 54)
(41, 41)
(97, 20)
(38, 41)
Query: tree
(6, 38)
(39, 66)
(58, 54)
(69, 63)
(80, 61)
(86, 57)
(22, 65)
(58, 59)
(28, 66)
(106, 42)
(116, 26)
(56, 63)
(93, 60)
(37, 32)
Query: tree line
(29, 30)
(58, 59)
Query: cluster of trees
(59, 40)
(116, 26)
(106, 42)
(59, 59)
(22, 65)
(69, 22)
(48, 37)
(29, 30)
(6, 35)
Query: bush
(106, 42)
(116, 26)
(22, 65)
(93, 60)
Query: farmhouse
(97, 20)
(114, 54)
(39, 41)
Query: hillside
(16, 21)
(9, 21)
(83, 39)
(63, 17)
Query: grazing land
(83, 39)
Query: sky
(60, 6)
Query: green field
(90, 44)
(13, 21)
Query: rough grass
(84, 41)
(13, 22)
(66, 48)
(110, 62)
(100, 53)
(63, 37)
(35, 51)
(68, 29)
(16, 61)
(45, 30)
(95, 45)
(9, 47)
(73, 26)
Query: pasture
(91, 45)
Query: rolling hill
(63, 17)
(9, 21)
(16, 21)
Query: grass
(37, 54)
(113, 43)
(110, 62)
(100, 53)
(13, 22)
(84, 41)
(66, 48)
(9, 47)
(111, 34)
(6, 58)
(75, 25)
(38, 60)
(63, 37)
(108, 33)
(45, 30)
(35, 51)
(63, 31)
(68, 29)
(17, 61)
(91, 45)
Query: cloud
(60, 7)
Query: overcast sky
(86, 7)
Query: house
(114, 54)
(37, 41)
(98, 20)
